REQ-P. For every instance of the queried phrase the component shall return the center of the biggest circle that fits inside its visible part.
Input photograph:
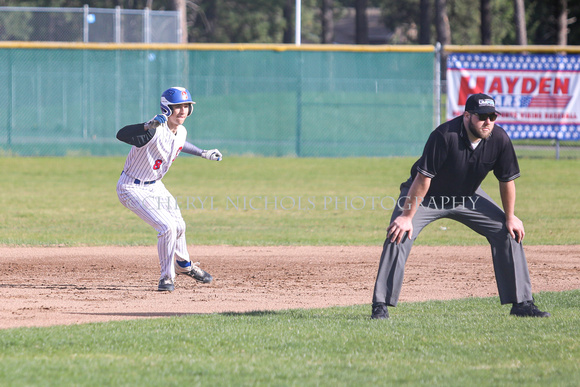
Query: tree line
(463, 22)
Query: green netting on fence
(263, 102)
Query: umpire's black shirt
(455, 168)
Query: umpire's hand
(515, 227)
(397, 229)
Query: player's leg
(182, 261)
(172, 236)
(147, 203)
(172, 207)
(181, 253)
(485, 217)
(183, 264)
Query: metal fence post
(117, 24)
(86, 23)
(118, 83)
(85, 95)
(298, 22)
(299, 104)
(437, 84)
(147, 25)
(10, 88)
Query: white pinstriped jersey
(151, 161)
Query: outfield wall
(271, 100)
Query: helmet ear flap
(165, 108)
(190, 110)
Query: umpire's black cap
(480, 104)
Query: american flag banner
(538, 96)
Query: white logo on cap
(486, 102)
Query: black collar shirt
(455, 168)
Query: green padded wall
(307, 103)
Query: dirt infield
(73, 285)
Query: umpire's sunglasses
(484, 116)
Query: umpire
(445, 183)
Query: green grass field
(454, 343)
(310, 201)
(72, 201)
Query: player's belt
(137, 181)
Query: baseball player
(445, 183)
(155, 145)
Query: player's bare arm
(404, 222)
(515, 226)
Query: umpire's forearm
(507, 191)
(416, 194)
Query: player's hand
(397, 229)
(212, 154)
(153, 123)
(516, 228)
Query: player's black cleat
(194, 272)
(380, 311)
(527, 309)
(166, 285)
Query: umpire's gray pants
(486, 218)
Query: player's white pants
(155, 205)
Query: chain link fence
(98, 25)
(272, 101)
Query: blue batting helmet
(175, 96)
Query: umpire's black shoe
(380, 311)
(527, 309)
